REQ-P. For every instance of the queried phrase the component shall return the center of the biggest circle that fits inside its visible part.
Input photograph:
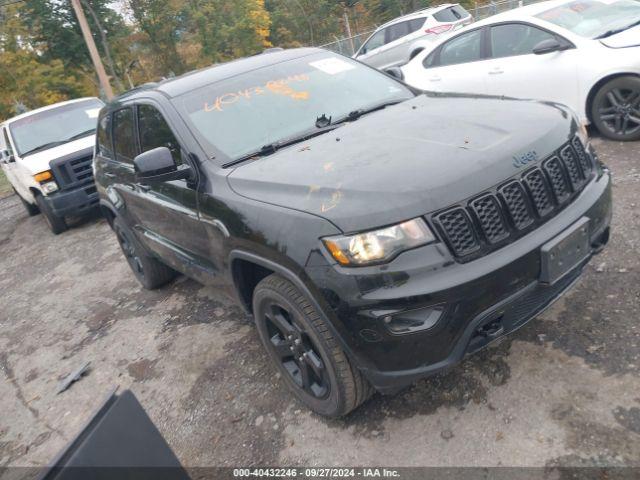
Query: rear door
(458, 65)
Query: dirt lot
(564, 390)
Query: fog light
(411, 321)
(50, 187)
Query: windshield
(55, 126)
(242, 114)
(593, 19)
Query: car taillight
(437, 30)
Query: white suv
(46, 154)
(398, 41)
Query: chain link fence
(350, 45)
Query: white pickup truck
(46, 154)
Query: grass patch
(5, 186)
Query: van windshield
(242, 114)
(55, 126)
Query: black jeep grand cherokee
(376, 233)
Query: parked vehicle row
(398, 41)
(581, 53)
(46, 154)
(377, 234)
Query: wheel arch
(108, 212)
(598, 85)
(239, 259)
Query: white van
(47, 156)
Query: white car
(401, 39)
(47, 153)
(581, 53)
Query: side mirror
(395, 72)
(158, 166)
(548, 46)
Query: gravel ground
(562, 391)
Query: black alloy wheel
(149, 271)
(305, 351)
(296, 351)
(616, 109)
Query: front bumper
(73, 202)
(479, 301)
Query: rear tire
(615, 109)
(56, 224)
(31, 209)
(149, 271)
(304, 350)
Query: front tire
(56, 224)
(616, 109)
(304, 350)
(31, 209)
(150, 272)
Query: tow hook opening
(491, 329)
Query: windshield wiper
(617, 30)
(356, 114)
(43, 147)
(274, 147)
(81, 134)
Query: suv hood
(407, 160)
(627, 38)
(39, 161)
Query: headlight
(50, 187)
(378, 245)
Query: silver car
(398, 41)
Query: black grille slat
(489, 215)
(555, 173)
(539, 191)
(490, 219)
(459, 231)
(515, 198)
(572, 164)
(585, 163)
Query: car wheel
(616, 109)
(31, 209)
(305, 351)
(149, 271)
(56, 224)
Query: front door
(515, 71)
(167, 212)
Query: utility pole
(93, 51)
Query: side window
(448, 15)
(154, 132)
(459, 11)
(516, 39)
(397, 31)
(429, 61)
(124, 139)
(416, 24)
(104, 137)
(462, 49)
(377, 40)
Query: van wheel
(149, 271)
(31, 209)
(304, 350)
(616, 109)
(56, 224)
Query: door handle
(435, 79)
(109, 175)
(496, 71)
(143, 188)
